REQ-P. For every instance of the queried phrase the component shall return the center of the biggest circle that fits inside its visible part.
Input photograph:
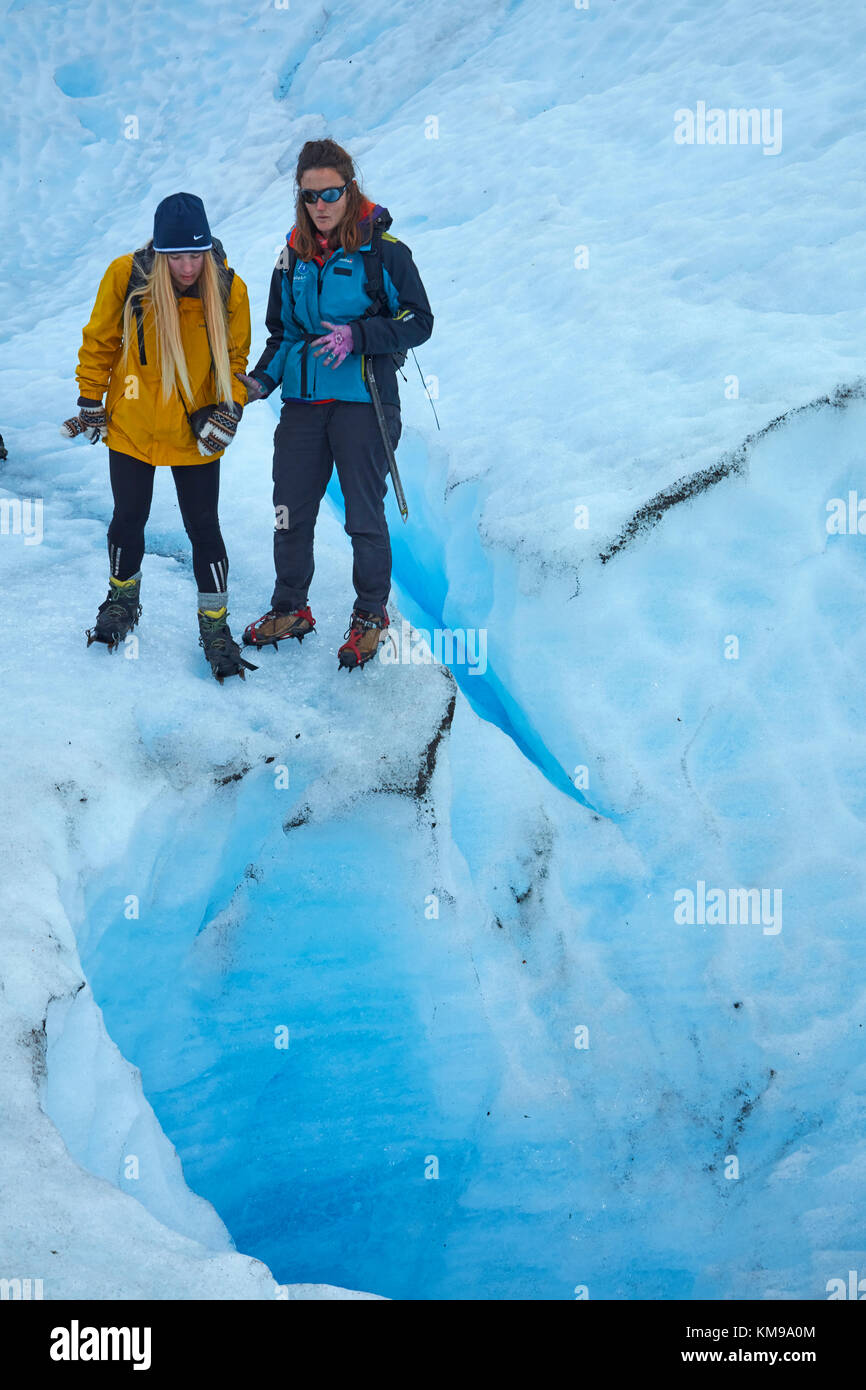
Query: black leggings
(198, 487)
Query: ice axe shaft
(386, 440)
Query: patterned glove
(337, 344)
(214, 427)
(90, 420)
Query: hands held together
(255, 390)
(336, 346)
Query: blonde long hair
(158, 297)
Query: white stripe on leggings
(218, 570)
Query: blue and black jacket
(337, 291)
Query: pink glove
(337, 344)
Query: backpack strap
(289, 268)
(374, 286)
(142, 260)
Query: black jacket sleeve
(268, 371)
(411, 322)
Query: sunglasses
(327, 195)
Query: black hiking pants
(197, 488)
(309, 440)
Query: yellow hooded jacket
(140, 421)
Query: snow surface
(261, 907)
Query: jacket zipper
(318, 302)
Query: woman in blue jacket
(342, 290)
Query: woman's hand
(214, 427)
(337, 344)
(255, 390)
(90, 420)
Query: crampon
(273, 628)
(363, 637)
(118, 615)
(220, 648)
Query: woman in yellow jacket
(169, 329)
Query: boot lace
(215, 634)
(116, 607)
(359, 624)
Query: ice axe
(386, 439)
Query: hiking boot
(366, 630)
(118, 615)
(270, 630)
(220, 648)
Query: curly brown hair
(327, 154)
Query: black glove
(214, 426)
(90, 420)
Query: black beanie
(180, 224)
